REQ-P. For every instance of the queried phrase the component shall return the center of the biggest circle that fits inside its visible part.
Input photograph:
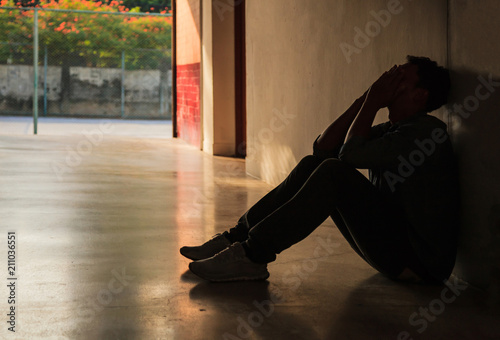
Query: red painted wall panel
(188, 58)
(188, 103)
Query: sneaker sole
(230, 279)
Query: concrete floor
(99, 226)
(55, 126)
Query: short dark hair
(435, 79)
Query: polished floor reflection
(99, 223)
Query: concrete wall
(89, 91)
(207, 77)
(218, 78)
(16, 82)
(307, 61)
(473, 54)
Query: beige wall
(474, 50)
(207, 78)
(218, 100)
(299, 79)
(188, 35)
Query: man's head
(433, 78)
(425, 87)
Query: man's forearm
(364, 120)
(334, 135)
(379, 95)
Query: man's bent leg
(286, 225)
(258, 211)
(371, 223)
(327, 186)
(275, 198)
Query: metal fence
(89, 64)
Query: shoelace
(229, 254)
(216, 239)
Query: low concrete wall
(88, 91)
(16, 85)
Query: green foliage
(82, 39)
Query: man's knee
(334, 163)
(310, 158)
(337, 168)
(310, 162)
(329, 168)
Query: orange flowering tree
(85, 39)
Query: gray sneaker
(208, 249)
(231, 264)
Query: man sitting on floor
(402, 221)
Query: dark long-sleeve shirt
(413, 161)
